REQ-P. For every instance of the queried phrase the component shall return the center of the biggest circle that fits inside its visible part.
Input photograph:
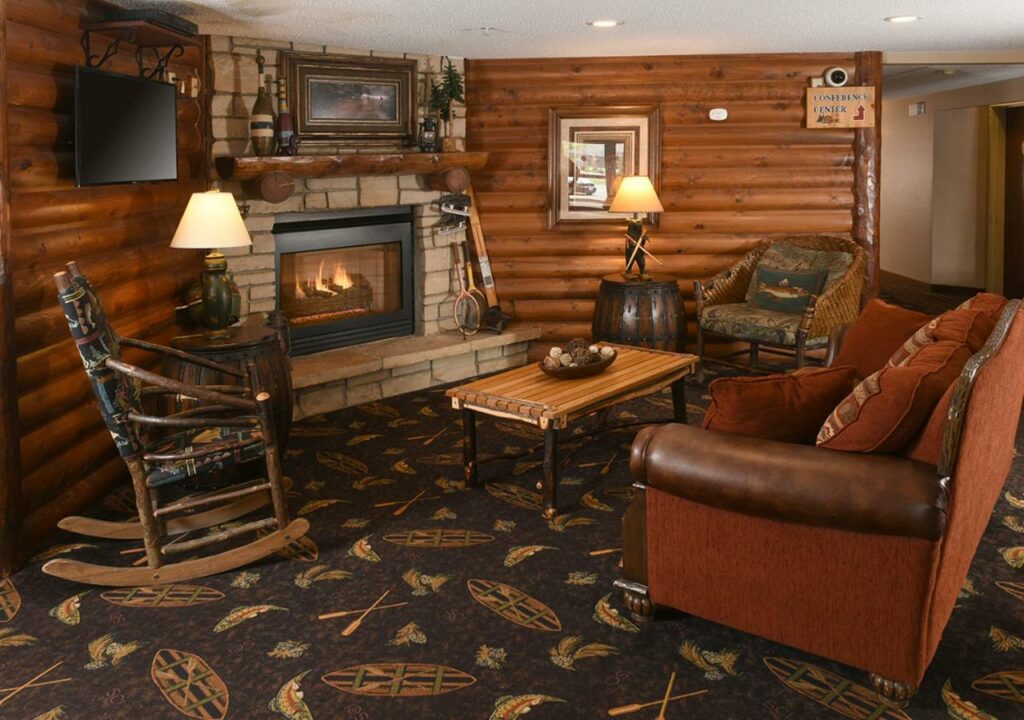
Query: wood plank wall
(724, 186)
(119, 234)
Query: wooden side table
(251, 341)
(643, 313)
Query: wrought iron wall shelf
(159, 43)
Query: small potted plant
(450, 90)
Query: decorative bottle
(261, 121)
(286, 140)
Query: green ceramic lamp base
(218, 304)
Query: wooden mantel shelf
(273, 178)
(315, 166)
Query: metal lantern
(428, 134)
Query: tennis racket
(466, 308)
(471, 287)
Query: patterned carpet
(249, 645)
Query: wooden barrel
(643, 313)
(258, 343)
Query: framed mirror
(589, 149)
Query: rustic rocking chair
(227, 426)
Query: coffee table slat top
(529, 394)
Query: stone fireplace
(346, 278)
(337, 360)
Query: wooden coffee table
(529, 396)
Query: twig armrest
(181, 355)
(807, 485)
(835, 342)
(197, 392)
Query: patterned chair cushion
(96, 342)
(164, 472)
(785, 256)
(753, 324)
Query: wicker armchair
(723, 307)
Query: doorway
(1013, 208)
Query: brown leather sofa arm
(876, 494)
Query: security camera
(836, 77)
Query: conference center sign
(840, 107)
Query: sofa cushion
(785, 290)
(878, 332)
(793, 258)
(889, 407)
(746, 322)
(786, 407)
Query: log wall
(724, 185)
(119, 234)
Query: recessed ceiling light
(605, 23)
(902, 18)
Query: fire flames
(319, 283)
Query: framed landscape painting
(341, 99)
(589, 149)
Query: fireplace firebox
(346, 278)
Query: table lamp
(636, 194)
(212, 221)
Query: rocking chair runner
(230, 425)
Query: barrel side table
(236, 348)
(642, 313)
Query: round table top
(651, 279)
(236, 338)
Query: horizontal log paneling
(119, 234)
(725, 186)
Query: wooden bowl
(581, 371)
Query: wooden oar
(38, 684)
(635, 707)
(668, 694)
(647, 252)
(607, 467)
(405, 507)
(343, 613)
(392, 503)
(354, 625)
(30, 683)
(440, 432)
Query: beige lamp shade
(211, 220)
(636, 194)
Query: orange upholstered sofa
(857, 557)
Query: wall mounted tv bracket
(128, 34)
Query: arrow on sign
(860, 113)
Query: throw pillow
(788, 408)
(927, 446)
(876, 334)
(988, 303)
(785, 290)
(784, 255)
(887, 409)
(971, 327)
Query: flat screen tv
(125, 129)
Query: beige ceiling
(552, 28)
(907, 80)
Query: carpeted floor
(268, 655)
